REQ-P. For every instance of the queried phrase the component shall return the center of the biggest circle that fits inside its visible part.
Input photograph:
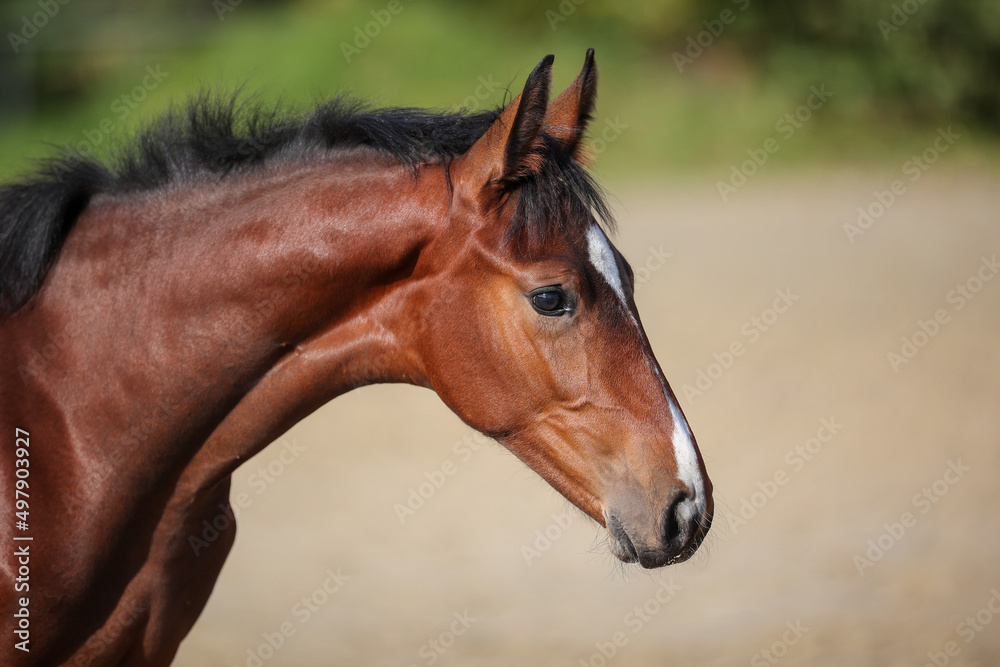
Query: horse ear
(567, 117)
(511, 148)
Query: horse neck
(233, 310)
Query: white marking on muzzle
(685, 453)
(603, 259)
(686, 456)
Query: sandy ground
(858, 515)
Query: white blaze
(603, 259)
(685, 454)
(687, 458)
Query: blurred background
(815, 181)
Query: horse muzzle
(665, 537)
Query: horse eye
(549, 302)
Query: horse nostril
(675, 525)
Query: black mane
(222, 136)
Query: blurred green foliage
(910, 60)
(684, 84)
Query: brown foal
(160, 324)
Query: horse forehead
(602, 257)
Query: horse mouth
(621, 544)
(625, 550)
